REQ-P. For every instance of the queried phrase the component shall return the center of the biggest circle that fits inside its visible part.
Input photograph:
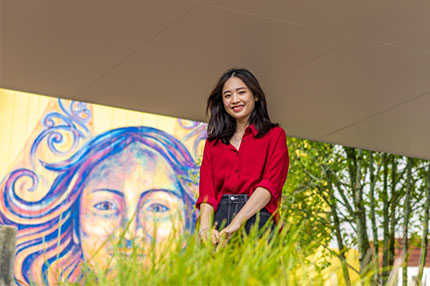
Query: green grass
(277, 259)
(244, 260)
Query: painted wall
(75, 175)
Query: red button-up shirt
(259, 162)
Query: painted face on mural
(135, 190)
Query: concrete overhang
(350, 72)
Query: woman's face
(136, 190)
(238, 99)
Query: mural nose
(131, 247)
(129, 234)
(129, 226)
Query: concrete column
(7, 254)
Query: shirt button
(243, 140)
(237, 171)
(234, 188)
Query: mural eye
(157, 208)
(105, 206)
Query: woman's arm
(206, 216)
(258, 200)
(206, 201)
(206, 222)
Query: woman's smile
(237, 108)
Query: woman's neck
(241, 126)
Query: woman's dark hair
(221, 125)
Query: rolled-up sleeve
(206, 186)
(276, 170)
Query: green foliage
(303, 203)
(353, 196)
(271, 259)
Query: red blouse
(259, 162)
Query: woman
(127, 178)
(245, 159)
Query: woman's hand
(206, 230)
(226, 233)
(209, 234)
(230, 229)
(215, 237)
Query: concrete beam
(7, 254)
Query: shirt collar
(253, 129)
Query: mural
(77, 183)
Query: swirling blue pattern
(73, 120)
